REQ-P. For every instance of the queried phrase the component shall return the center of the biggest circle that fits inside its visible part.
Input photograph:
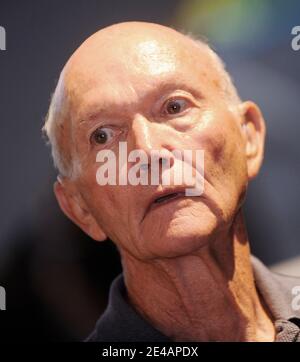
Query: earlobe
(74, 209)
(253, 129)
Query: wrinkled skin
(122, 78)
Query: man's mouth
(162, 198)
(168, 197)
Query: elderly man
(188, 274)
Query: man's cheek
(215, 148)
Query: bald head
(117, 66)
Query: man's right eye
(102, 135)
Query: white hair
(226, 84)
(66, 164)
(62, 152)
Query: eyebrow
(163, 87)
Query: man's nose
(152, 138)
(144, 134)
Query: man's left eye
(175, 106)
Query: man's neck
(206, 296)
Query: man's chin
(183, 237)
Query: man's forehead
(153, 52)
(124, 66)
(145, 63)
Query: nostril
(166, 160)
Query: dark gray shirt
(122, 323)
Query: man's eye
(175, 106)
(102, 135)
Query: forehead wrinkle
(109, 106)
(106, 101)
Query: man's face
(155, 93)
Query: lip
(164, 197)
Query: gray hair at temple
(65, 161)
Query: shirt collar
(121, 322)
(277, 290)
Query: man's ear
(254, 130)
(74, 207)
